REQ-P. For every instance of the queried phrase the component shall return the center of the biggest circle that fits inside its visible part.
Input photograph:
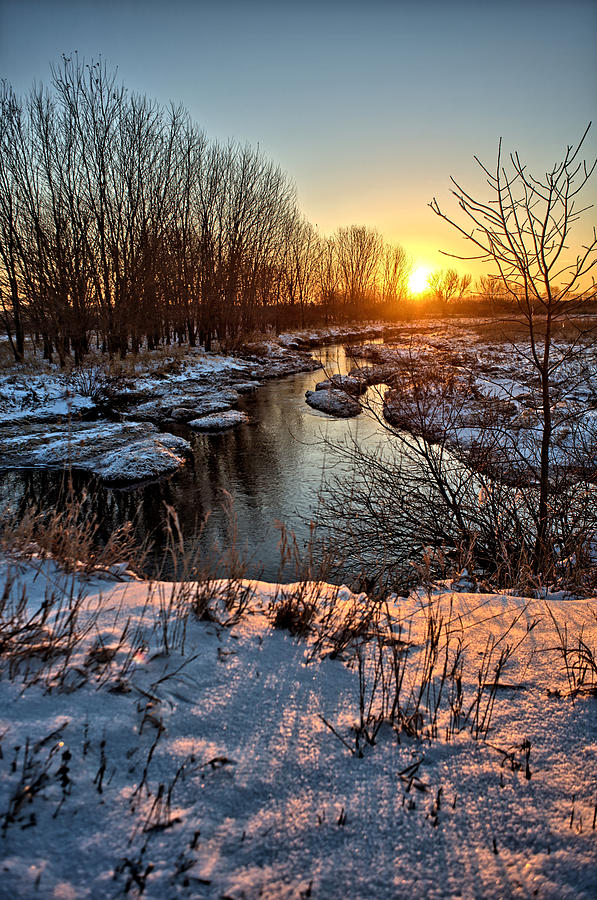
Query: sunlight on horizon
(419, 280)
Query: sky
(369, 107)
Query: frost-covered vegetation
(457, 476)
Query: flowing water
(271, 467)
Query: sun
(419, 280)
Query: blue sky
(369, 107)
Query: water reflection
(272, 467)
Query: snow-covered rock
(151, 457)
(182, 414)
(351, 384)
(182, 407)
(334, 403)
(42, 397)
(246, 387)
(114, 451)
(219, 421)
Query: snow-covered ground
(147, 750)
(482, 392)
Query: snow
(246, 387)
(455, 383)
(174, 755)
(219, 421)
(179, 404)
(333, 334)
(350, 384)
(170, 385)
(39, 397)
(150, 457)
(114, 451)
(247, 791)
(334, 402)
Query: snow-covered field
(147, 750)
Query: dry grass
(578, 657)
(253, 341)
(414, 684)
(69, 536)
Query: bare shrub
(456, 478)
(101, 382)
(37, 646)
(294, 610)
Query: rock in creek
(219, 421)
(334, 403)
(350, 384)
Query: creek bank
(114, 419)
(481, 397)
(335, 334)
(117, 452)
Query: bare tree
(10, 224)
(490, 289)
(396, 269)
(118, 218)
(523, 229)
(359, 251)
(448, 286)
(244, 206)
(302, 249)
(328, 276)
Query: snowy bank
(163, 388)
(113, 451)
(179, 755)
(451, 382)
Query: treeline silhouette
(122, 224)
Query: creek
(271, 468)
